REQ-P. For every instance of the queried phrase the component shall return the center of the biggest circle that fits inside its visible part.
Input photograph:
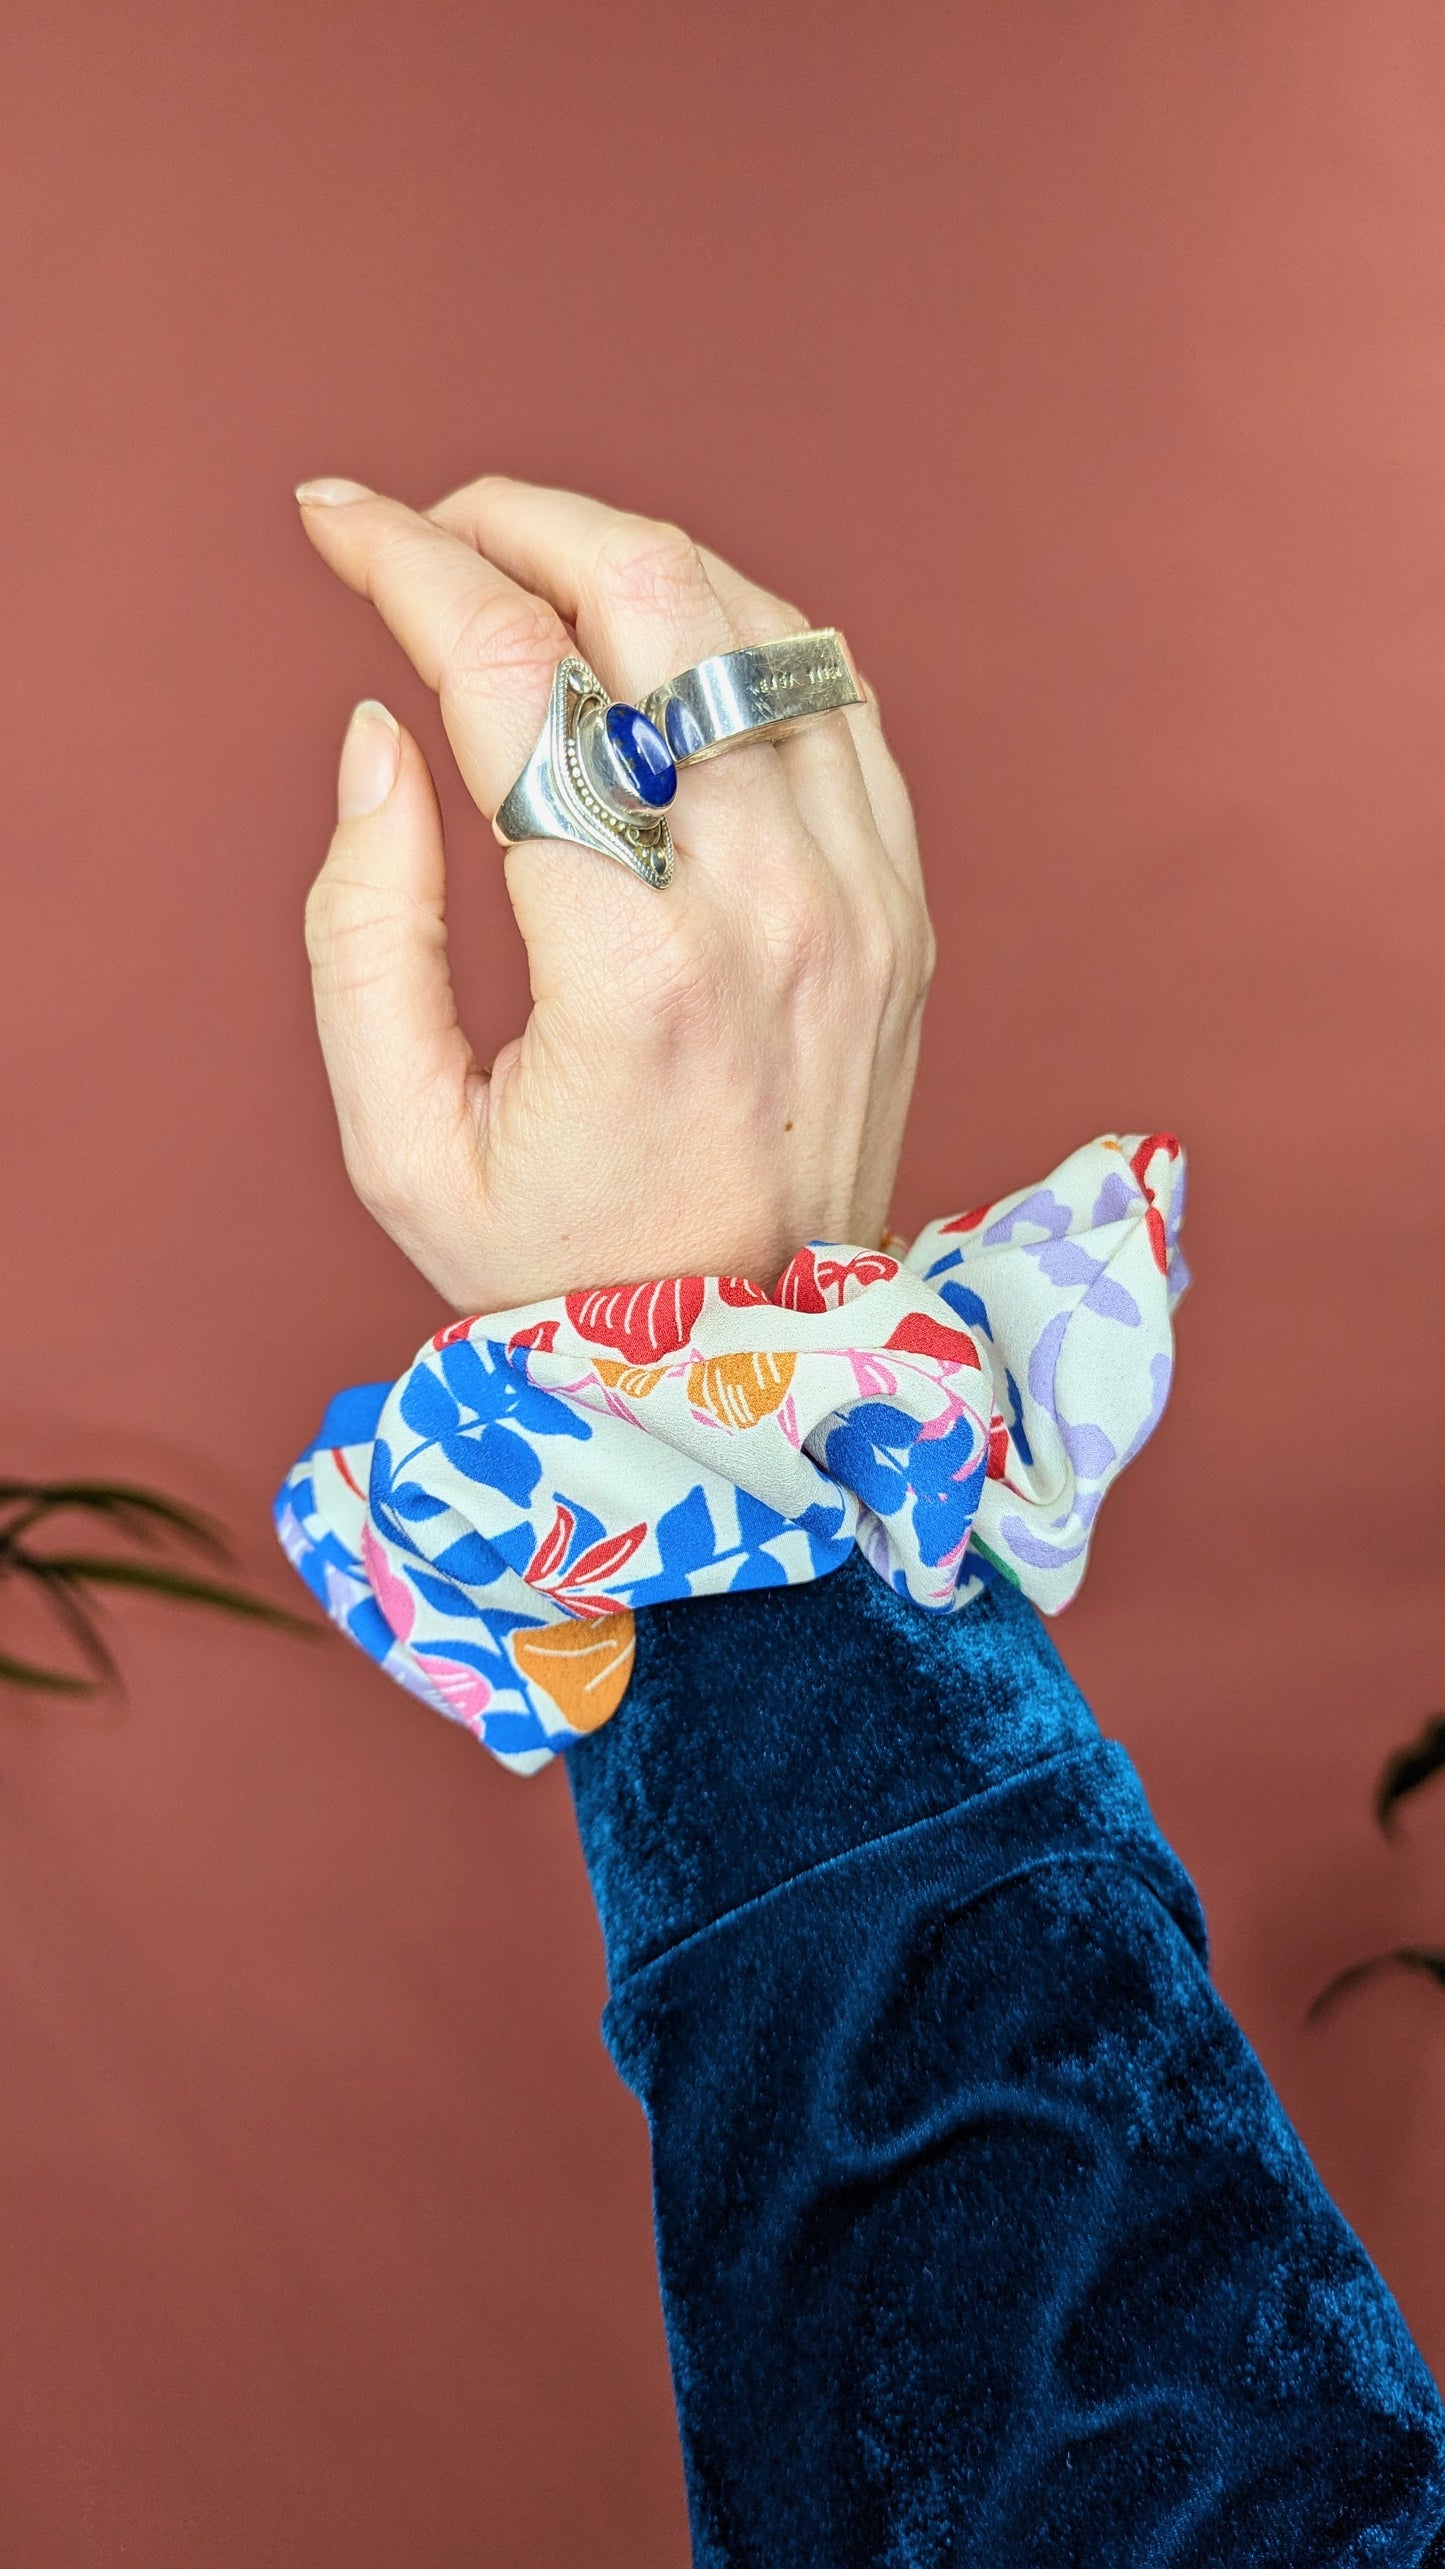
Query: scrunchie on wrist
(487, 1526)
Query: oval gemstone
(642, 754)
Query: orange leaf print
(584, 1667)
(739, 1390)
(633, 1381)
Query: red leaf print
(1151, 1143)
(1153, 1219)
(603, 1560)
(997, 1448)
(551, 1552)
(918, 1335)
(797, 1287)
(455, 1330)
(542, 1335)
(811, 1283)
(968, 1221)
(641, 1321)
(739, 1292)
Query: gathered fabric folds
(487, 1526)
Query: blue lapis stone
(642, 754)
(684, 731)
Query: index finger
(489, 647)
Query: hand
(711, 1074)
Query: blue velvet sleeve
(982, 2237)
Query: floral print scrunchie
(487, 1526)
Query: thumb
(402, 1073)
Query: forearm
(982, 2236)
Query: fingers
(846, 757)
(408, 1092)
(636, 591)
(756, 614)
(887, 791)
(487, 646)
(459, 588)
(645, 601)
(638, 596)
(812, 755)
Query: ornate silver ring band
(604, 775)
(600, 775)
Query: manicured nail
(370, 757)
(328, 493)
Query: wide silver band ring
(574, 787)
(756, 693)
(603, 774)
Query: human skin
(711, 1074)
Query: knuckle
(881, 956)
(355, 932)
(801, 942)
(787, 618)
(331, 910)
(927, 963)
(501, 635)
(894, 952)
(646, 562)
(684, 1000)
(878, 958)
(321, 917)
(918, 949)
(458, 504)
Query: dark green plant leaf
(1409, 1768)
(46, 1681)
(60, 1588)
(1426, 1958)
(67, 1580)
(96, 1571)
(143, 1513)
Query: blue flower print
(480, 1413)
(886, 1458)
(687, 1541)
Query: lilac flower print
(1116, 1201)
(1088, 1449)
(1113, 1301)
(1065, 1262)
(1042, 1207)
(1044, 1360)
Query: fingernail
(329, 493)
(370, 757)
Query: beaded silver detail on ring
(601, 775)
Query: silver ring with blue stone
(756, 693)
(601, 774)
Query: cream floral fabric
(488, 1526)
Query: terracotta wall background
(1087, 363)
